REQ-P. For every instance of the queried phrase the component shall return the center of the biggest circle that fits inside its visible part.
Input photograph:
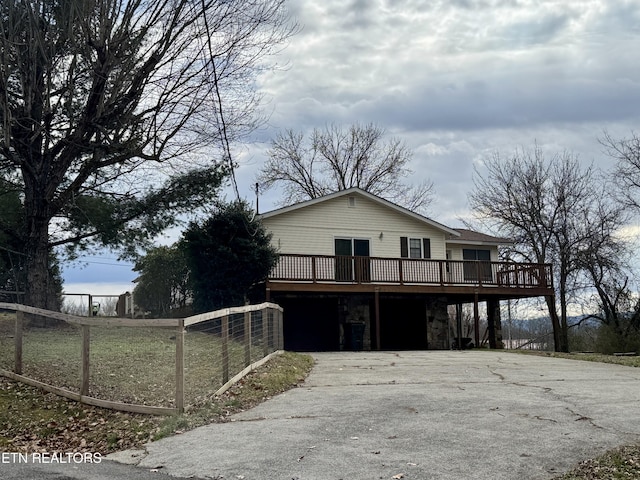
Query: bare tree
(605, 261)
(335, 159)
(627, 172)
(619, 306)
(104, 105)
(555, 213)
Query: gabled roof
(374, 198)
(469, 236)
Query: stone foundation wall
(437, 324)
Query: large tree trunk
(37, 271)
(564, 329)
(37, 289)
(560, 340)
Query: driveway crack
(583, 418)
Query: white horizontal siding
(312, 230)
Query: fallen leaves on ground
(32, 420)
(620, 463)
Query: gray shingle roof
(467, 235)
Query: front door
(344, 260)
(480, 271)
(362, 264)
(352, 260)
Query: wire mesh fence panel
(147, 362)
(53, 355)
(257, 335)
(133, 365)
(215, 351)
(218, 349)
(238, 336)
(202, 364)
(7, 340)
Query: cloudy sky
(456, 80)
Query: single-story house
(359, 272)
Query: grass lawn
(32, 421)
(629, 361)
(618, 464)
(132, 365)
(127, 364)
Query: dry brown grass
(32, 420)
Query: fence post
(225, 349)
(247, 339)
(86, 340)
(276, 329)
(180, 366)
(265, 331)
(18, 343)
(280, 314)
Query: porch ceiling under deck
(461, 293)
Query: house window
(473, 254)
(415, 247)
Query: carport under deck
(401, 301)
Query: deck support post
(376, 301)
(476, 320)
(459, 326)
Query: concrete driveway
(419, 415)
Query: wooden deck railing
(346, 269)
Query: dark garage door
(403, 324)
(310, 325)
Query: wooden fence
(228, 335)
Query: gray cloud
(459, 79)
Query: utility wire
(222, 124)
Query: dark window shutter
(404, 247)
(426, 248)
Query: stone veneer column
(437, 323)
(494, 324)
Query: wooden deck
(334, 274)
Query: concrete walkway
(418, 415)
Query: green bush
(583, 338)
(609, 340)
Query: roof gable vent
(351, 201)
